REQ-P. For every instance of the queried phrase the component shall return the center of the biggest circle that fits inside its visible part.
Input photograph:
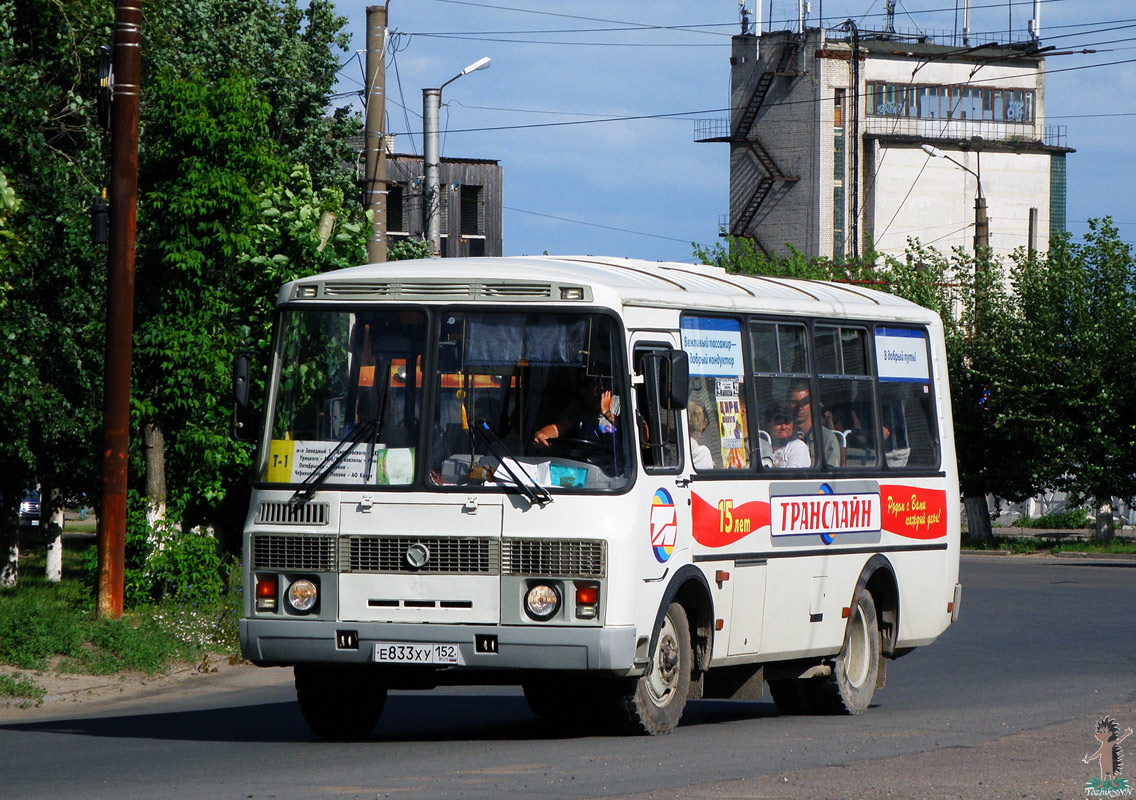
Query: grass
(46, 625)
(1049, 544)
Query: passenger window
(909, 430)
(847, 405)
(716, 412)
(784, 395)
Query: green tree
(53, 277)
(291, 55)
(1075, 316)
(226, 220)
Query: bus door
(730, 508)
(660, 380)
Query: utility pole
(431, 165)
(120, 304)
(374, 129)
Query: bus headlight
(542, 601)
(302, 595)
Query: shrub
(1069, 518)
(21, 686)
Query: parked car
(29, 509)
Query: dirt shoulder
(68, 693)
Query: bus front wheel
(340, 702)
(654, 702)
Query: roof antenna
(1035, 22)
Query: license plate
(417, 653)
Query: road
(1003, 705)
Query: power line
(596, 225)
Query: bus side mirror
(244, 419)
(680, 379)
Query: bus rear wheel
(340, 702)
(852, 683)
(654, 702)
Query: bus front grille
(286, 551)
(564, 558)
(292, 514)
(421, 554)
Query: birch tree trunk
(154, 455)
(54, 557)
(1105, 527)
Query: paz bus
(618, 484)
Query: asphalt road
(1003, 705)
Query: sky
(589, 106)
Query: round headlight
(302, 595)
(542, 601)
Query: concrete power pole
(431, 159)
(374, 128)
(120, 305)
(431, 190)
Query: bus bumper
(271, 642)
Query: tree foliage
(51, 276)
(240, 160)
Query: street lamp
(981, 223)
(431, 196)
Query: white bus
(618, 484)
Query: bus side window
(656, 421)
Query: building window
(1056, 193)
(396, 215)
(472, 211)
(838, 144)
(950, 102)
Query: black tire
(340, 702)
(552, 699)
(791, 696)
(850, 687)
(653, 703)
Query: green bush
(187, 569)
(1069, 519)
(164, 563)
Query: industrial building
(844, 140)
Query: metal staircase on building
(773, 173)
(784, 69)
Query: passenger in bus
(789, 451)
(802, 405)
(591, 414)
(700, 454)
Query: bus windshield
(344, 378)
(518, 400)
(534, 398)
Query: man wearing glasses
(802, 403)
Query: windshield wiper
(367, 429)
(535, 493)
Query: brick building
(839, 140)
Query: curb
(1063, 559)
